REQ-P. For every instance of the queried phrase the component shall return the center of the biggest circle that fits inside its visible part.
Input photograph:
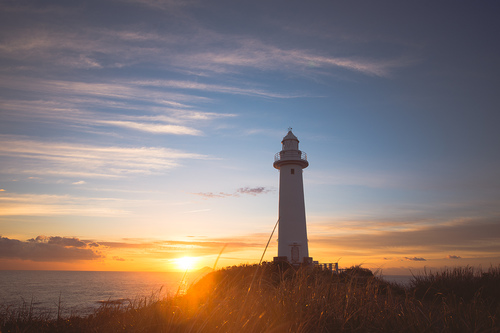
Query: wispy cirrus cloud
(26, 156)
(153, 128)
(266, 57)
(118, 90)
(14, 204)
(82, 114)
(97, 47)
(205, 247)
(215, 88)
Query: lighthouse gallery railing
(290, 155)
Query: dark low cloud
(242, 190)
(453, 257)
(253, 190)
(472, 235)
(62, 241)
(415, 259)
(53, 249)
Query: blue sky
(136, 132)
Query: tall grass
(273, 298)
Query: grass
(272, 298)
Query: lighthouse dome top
(290, 141)
(290, 136)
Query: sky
(136, 133)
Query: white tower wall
(292, 232)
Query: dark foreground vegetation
(271, 298)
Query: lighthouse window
(293, 171)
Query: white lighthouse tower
(292, 232)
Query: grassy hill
(274, 298)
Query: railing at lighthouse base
(332, 267)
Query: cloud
(79, 105)
(50, 249)
(81, 182)
(89, 161)
(67, 249)
(71, 100)
(253, 191)
(415, 259)
(196, 247)
(241, 53)
(2, 190)
(153, 128)
(117, 90)
(214, 88)
(197, 48)
(211, 195)
(462, 232)
(432, 238)
(13, 204)
(243, 190)
(453, 257)
(65, 241)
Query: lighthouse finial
(289, 129)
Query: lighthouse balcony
(290, 157)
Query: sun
(185, 263)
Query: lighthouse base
(306, 261)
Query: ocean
(403, 280)
(80, 293)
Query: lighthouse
(292, 232)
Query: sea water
(403, 280)
(81, 293)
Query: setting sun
(185, 263)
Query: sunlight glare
(185, 263)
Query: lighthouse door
(295, 254)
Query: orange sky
(134, 133)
